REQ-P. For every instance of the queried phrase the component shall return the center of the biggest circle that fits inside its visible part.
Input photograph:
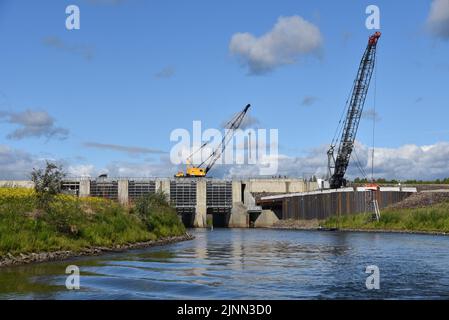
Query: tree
(47, 183)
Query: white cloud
(426, 162)
(406, 162)
(81, 170)
(438, 19)
(413, 162)
(314, 163)
(141, 169)
(290, 38)
(33, 123)
(16, 164)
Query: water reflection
(250, 264)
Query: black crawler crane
(337, 166)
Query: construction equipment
(337, 166)
(204, 167)
(372, 205)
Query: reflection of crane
(338, 166)
(204, 167)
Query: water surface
(250, 264)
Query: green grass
(74, 224)
(433, 218)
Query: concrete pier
(84, 188)
(201, 207)
(123, 192)
(163, 185)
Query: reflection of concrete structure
(231, 203)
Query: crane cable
(374, 121)
(339, 129)
(226, 126)
(359, 165)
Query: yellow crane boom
(202, 169)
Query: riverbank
(433, 219)
(299, 226)
(69, 226)
(22, 259)
(411, 216)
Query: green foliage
(430, 219)
(47, 183)
(70, 223)
(209, 221)
(151, 203)
(158, 215)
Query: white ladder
(372, 204)
(376, 209)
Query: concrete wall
(242, 201)
(266, 219)
(163, 185)
(239, 216)
(236, 191)
(84, 188)
(200, 220)
(279, 185)
(123, 192)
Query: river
(250, 264)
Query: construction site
(259, 202)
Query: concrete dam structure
(231, 203)
(236, 203)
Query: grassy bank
(434, 218)
(70, 223)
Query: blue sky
(136, 70)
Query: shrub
(47, 183)
(158, 215)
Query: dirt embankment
(10, 260)
(421, 199)
(297, 224)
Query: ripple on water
(251, 264)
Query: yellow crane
(204, 167)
